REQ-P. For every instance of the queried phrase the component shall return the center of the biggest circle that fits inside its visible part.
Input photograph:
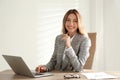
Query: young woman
(71, 47)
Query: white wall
(111, 34)
(105, 20)
(28, 27)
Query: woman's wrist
(68, 46)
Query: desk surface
(10, 75)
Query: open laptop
(19, 67)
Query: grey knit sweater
(75, 56)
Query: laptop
(19, 67)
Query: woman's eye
(67, 20)
(75, 21)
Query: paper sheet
(98, 75)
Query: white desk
(10, 75)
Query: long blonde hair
(80, 29)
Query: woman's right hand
(41, 68)
(66, 38)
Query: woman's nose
(71, 23)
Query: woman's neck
(71, 34)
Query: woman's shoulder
(59, 36)
(82, 37)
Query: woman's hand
(67, 40)
(41, 68)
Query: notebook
(19, 67)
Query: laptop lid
(19, 66)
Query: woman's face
(71, 24)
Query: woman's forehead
(72, 15)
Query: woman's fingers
(38, 69)
(41, 68)
(64, 36)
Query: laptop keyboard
(38, 73)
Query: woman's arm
(51, 64)
(79, 60)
